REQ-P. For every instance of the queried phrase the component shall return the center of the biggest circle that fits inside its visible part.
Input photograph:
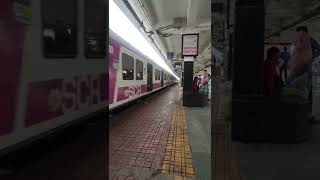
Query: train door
(149, 77)
(161, 78)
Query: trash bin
(194, 100)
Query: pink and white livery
(40, 94)
(48, 79)
(131, 74)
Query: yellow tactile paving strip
(178, 157)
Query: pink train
(52, 74)
(131, 74)
(54, 71)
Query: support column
(187, 80)
(247, 97)
(188, 76)
(229, 47)
(230, 57)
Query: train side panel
(51, 92)
(123, 91)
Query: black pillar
(188, 75)
(249, 47)
(182, 78)
(230, 58)
(187, 82)
(247, 97)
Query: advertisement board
(190, 43)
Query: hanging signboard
(190, 44)
(170, 55)
(188, 59)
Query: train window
(139, 69)
(95, 29)
(59, 32)
(127, 67)
(157, 74)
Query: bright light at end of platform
(120, 24)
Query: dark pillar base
(194, 100)
(248, 119)
(290, 122)
(258, 119)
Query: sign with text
(190, 44)
(188, 59)
(50, 99)
(170, 55)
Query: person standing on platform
(204, 81)
(300, 63)
(272, 80)
(195, 85)
(306, 49)
(285, 55)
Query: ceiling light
(122, 26)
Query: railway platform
(269, 135)
(157, 138)
(225, 165)
(234, 160)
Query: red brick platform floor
(138, 137)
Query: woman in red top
(271, 78)
(195, 85)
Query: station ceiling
(282, 17)
(291, 13)
(169, 19)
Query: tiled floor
(225, 164)
(199, 130)
(138, 135)
(262, 161)
(121, 177)
(178, 158)
(150, 140)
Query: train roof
(116, 37)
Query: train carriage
(131, 74)
(53, 66)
